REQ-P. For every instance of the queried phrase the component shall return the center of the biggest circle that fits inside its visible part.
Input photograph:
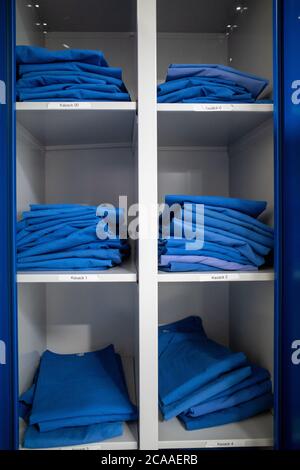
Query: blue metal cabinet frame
(287, 184)
(8, 316)
(287, 179)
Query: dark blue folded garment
(252, 208)
(254, 84)
(63, 75)
(41, 55)
(49, 80)
(80, 389)
(220, 385)
(189, 360)
(71, 436)
(230, 415)
(37, 92)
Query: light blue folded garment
(230, 415)
(165, 260)
(41, 55)
(252, 208)
(254, 84)
(174, 266)
(71, 436)
(75, 389)
(189, 360)
(66, 264)
(220, 385)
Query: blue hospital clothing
(71, 67)
(71, 436)
(252, 208)
(41, 55)
(229, 415)
(80, 389)
(254, 84)
(189, 360)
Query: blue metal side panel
(288, 230)
(8, 317)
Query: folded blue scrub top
(41, 55)
(254, 84)
(80, 389)
(189, 360)
(229, 415)
(71, 436)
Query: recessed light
(29, 5)
(45, 24)
(66, 46)
(238, 8)
(38, 24)
(45, 32)
(228, 26)
(37, 5)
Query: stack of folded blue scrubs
(65, 237)
(76, 399)
(68, 75)
(202, 83)
(204, 383)
(233, 239)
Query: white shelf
(124, 273)
(253, 432)
(92, 123)
(208, 125)
(129, 438)
(216, 276)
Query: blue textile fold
(80, 389)
(68, 75)
(71, 436)
(189, 360)
(252, 83)
(229, 415)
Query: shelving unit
(92, 152)
(264, 275)
(208, 125)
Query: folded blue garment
(76, 94)
(179, 84)
(66, 264)
(178, 247)
(70, 67)
(71, 436)
(205, 94)
(49, 80)
(188, 267)
(233, 399)
(189, 360)
(252, 208)
(254, 84)
(165, 260)
(80, 389)
(210, 231)
(220, 385)
(104, 254)
(41, 55)
(234, 414)
(62, 75)
(99, 87)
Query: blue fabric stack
(202, 83)
(68, 75)
(204, 383)
(76, 399)
(63, 237)
(233, 238)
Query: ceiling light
(45, 24)
(29, 5)
(238, 8)
(38, 24)
(228, 26)
(37, 5)
(66, 46)
(45, 32)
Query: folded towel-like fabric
(41, 55)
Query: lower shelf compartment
(253, 432)
(129, 438)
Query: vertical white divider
(147, 191)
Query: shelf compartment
(215, 276)
(124, 273)
(208, 125)
(129, 439)
(253, 432)
(53, 123)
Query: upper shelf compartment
(78, 123)
(206, 125)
